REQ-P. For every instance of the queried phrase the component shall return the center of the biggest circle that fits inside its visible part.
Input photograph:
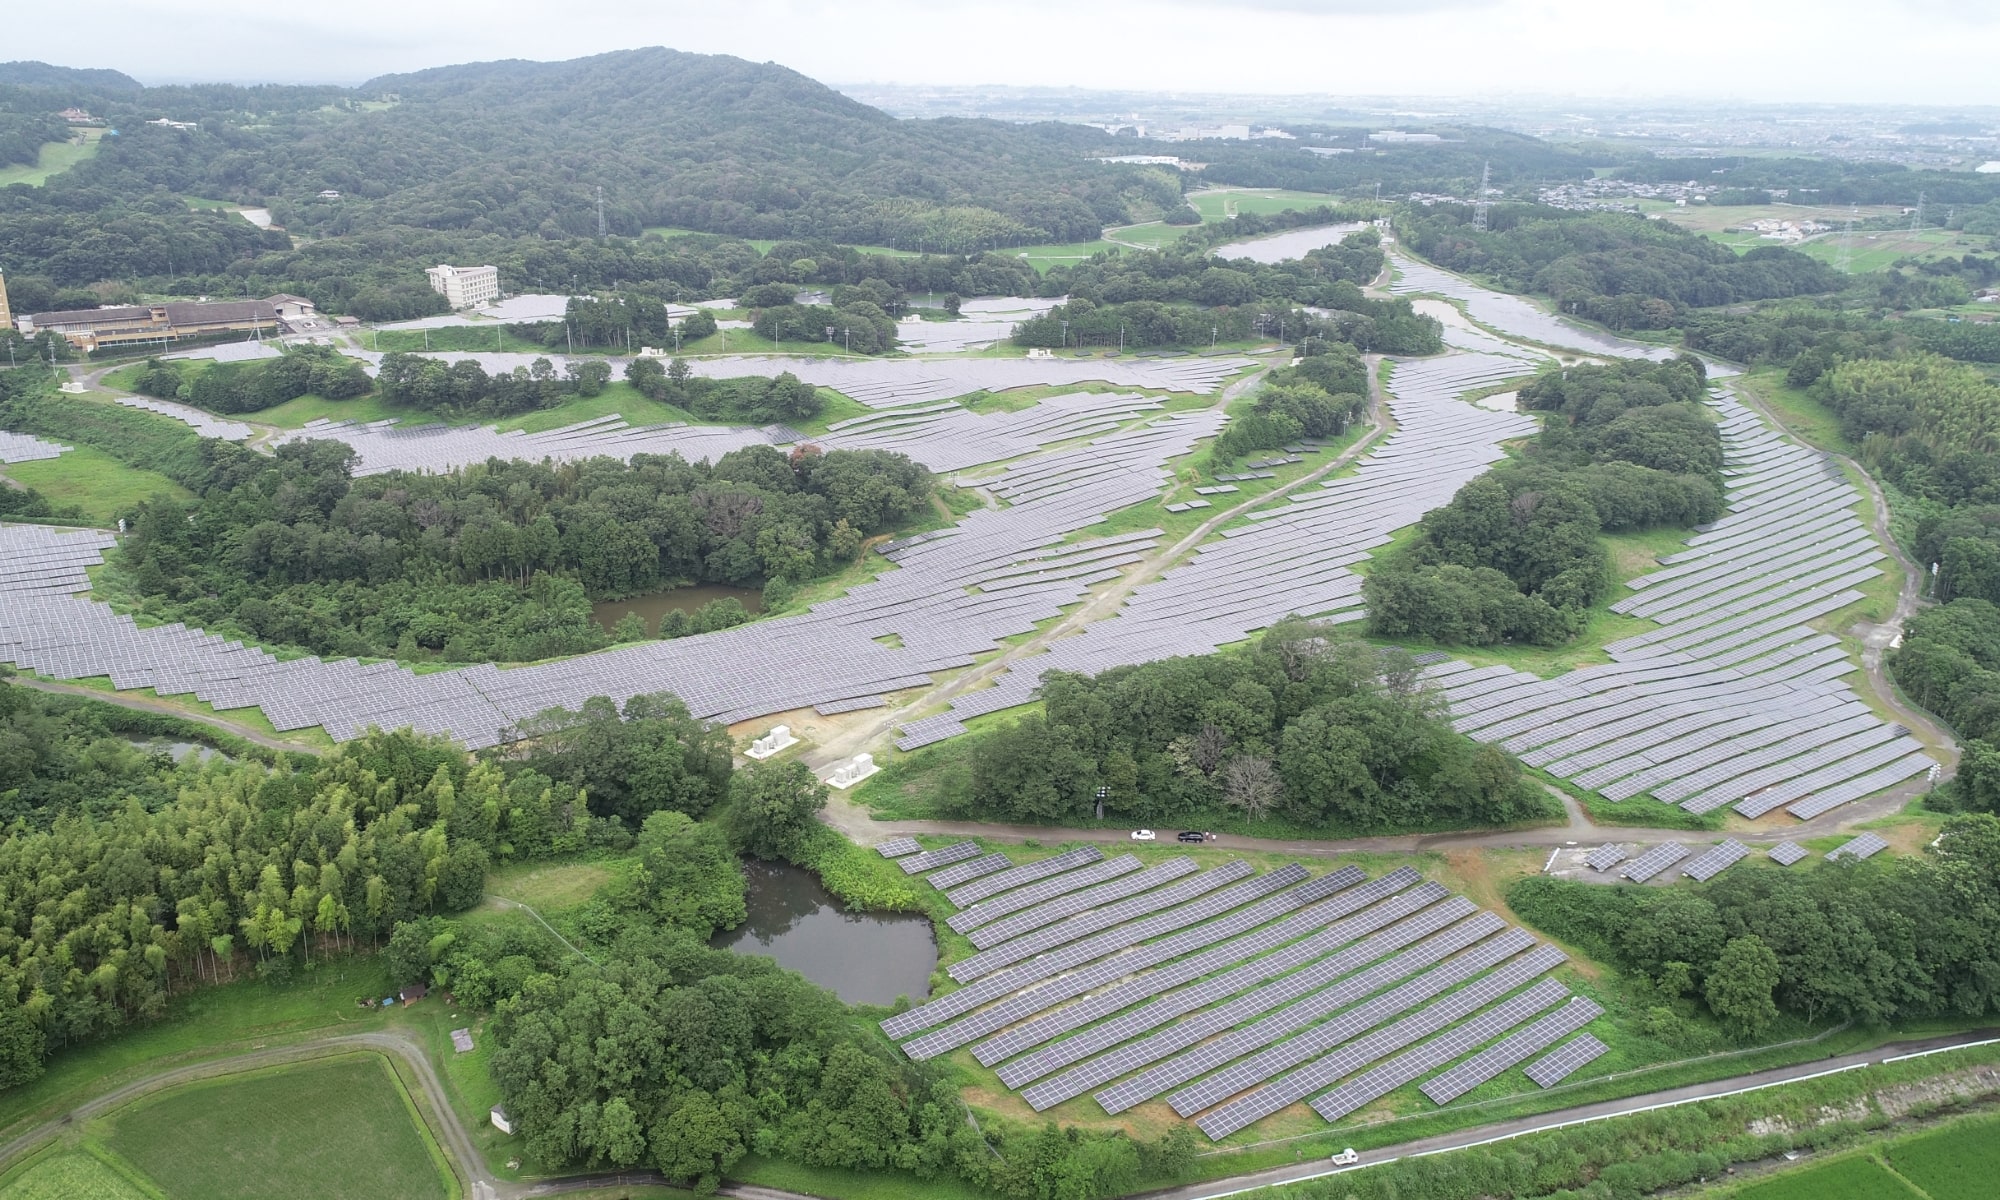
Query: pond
(864, 958)
(651, 606)
(176, 750)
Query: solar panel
(1564, 1061)
(1861, 847)
(932, 859)
(985, 864)
(1715, 860)
(1513, 1049)
(1027, 873)
(898, 847)
(1787, 853)
(1654, 861)
(969, 919)
(1605, 857)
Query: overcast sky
(1914, 51)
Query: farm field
(1956, 1162)
(268, 1132)
(68, 1175)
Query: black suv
(1191, 835)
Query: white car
(1346, 1158)
(1143, 835)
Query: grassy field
(55, 158)
(1218, 204)
(99, 483)
(1871, 251)
(481, 338)
(69, 1174)
(1955, 1162)
(763, 245)
(289, 1130)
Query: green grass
(1805, 416)
(54, 159)
(1220, 203)
(69, 1175)
(481, 338)
(1958, 1162)
(1847, 1179)
(546, 886)
(1869, 251)
(92, 479)
(209, 1022)
(340, 1129)
(763, 245)
(295, 413)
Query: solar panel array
(1513, 1049)
(967, 871)
(1715, 860)
(931, 860)
(1733, 698)
(1236, 992)
(1787, 853)
(1082, 856)
(1654, 861)
(1294, 556)
(1513, 315)
(20, 447)
(207, 424)
(898, 847)
(1861, 847)
(1559, 1064)
(1605, 857)
(957, 593)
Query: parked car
(1143, 835)
(1192, 835)
(1346, 1158)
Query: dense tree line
(240, 387)
(103, 915)
(1881, 942)
(499, 561)
(1319, 398)
(1188, 272)
(1517, 554)
(1385, 326)
(1829, 180)
(1926, 424)
(464, 389)
(1308, 724)
(782, 398)
(1619, 269)
(22, 135)
(852, 323)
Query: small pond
(651, 606)
(177, 750)
(864, 958)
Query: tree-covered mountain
(28, 73)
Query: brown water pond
(862, 957)
(651, 606)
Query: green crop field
(69, 1175)
(99, 483)
(1846, 1179)
(285, 1131)
(1955, 1163)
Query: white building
(465, 287)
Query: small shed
(500, 1121)
(415, 992)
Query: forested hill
(703, 141)
(28, 73)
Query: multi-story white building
(465, 287)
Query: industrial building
(465, 287)
(89, 328)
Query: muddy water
(864, 958)
(651, 606)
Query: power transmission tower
(1844, 260)
(600, 210)
(1479, 204)
(1917, 213)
